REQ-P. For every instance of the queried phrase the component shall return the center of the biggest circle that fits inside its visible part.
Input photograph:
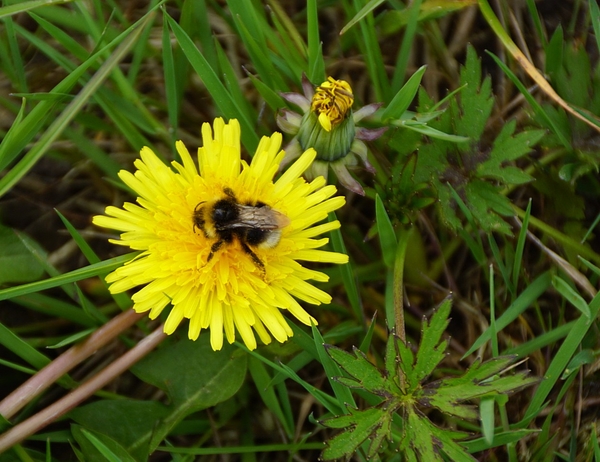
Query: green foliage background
(486, 192)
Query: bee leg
(214, 248)
(257, 262)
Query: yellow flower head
(332, 102)
(328, 125)
(223, 245)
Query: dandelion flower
(224, 281)
(328, 125)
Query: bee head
(224, 212)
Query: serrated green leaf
(366, 375)
(476, 99)
(431, 351)
(372, 423)
(554, 51)
(485, 202)
(406, 359)
(479, 380)
(506, 148)
(513, 176)
(422, 441)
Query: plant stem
(400, 329)
(65, 362)
(62, 406)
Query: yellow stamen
(332, 102)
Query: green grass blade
(407, 45)
(341, 392)
(493, 328)
(499, 262)
(17, 61)
(348, 277)
(366, 40)
(532, 101)
(571, 295)
(387, 235)
(21, 7)
(215, 87)
(595, 14)
(364, 11)
(61, 122)
(21, 348)
(535, 17)
(523, 301)
(292, 46)
(233, 85)
(262, 380)
(53, 307)
(123, 300)
(404, 96)
(103, 161)
(96, 269)
(272, 98)
(559, 362)
(170, 80)
(329, 402)
(516, 271)
(316, 65)
(365, 344)
(540, 341)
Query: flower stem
(65, 362)
(399, 284)
(68, 402)
(399, 326)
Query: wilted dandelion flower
(222, 245)
(328, 125)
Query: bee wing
(259, 217)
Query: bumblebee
(253, 225)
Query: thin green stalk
(400, 327)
